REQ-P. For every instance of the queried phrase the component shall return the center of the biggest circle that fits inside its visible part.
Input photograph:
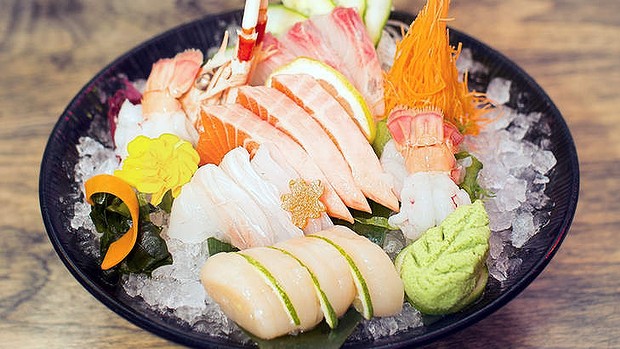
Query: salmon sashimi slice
(231, 126)
(283, 113)
(325, 109)
(343, 27)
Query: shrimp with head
(429, 110)
(177, 87)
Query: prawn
(429, 110)
(177, 87)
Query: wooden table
(50, 48)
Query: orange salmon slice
(283, 113)
(225, 127)
(325, 109)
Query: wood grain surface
(50, 48)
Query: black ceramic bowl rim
(556, 229)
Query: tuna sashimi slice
(230, 126)
(283, 113)
(345, 33)
(325, 109)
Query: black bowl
(86, 115)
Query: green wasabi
(444, 270)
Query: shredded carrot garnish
(104, 183)
(424, 74)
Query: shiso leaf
(319, 337)
(112, 219)
(442, 269)
(216, 246)
(470, 182)
(372, 226)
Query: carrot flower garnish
(157, 165)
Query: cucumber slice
(310, 8)
(280, 19)
(360, 5)
(375, 17)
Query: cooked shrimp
(427, 199)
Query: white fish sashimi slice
(245, 223)
(236, 164)
(270, 164)
(193, 217)
(245, 296)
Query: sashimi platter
(309, 174)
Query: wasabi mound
(444, 270)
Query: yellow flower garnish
(303, 201)
(156, 165)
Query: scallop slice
(291, 282)
(245, 296)
(330, 271)
(380, 291)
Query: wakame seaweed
(112, 219)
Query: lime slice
(328, 311)
(281, 19)
(290, 308)
(338, 86)
(362, 302)
(310, 7)
(375, 17)
(359, 5)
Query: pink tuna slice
(346, 33)
(340, 40)
(256, 131)
(283, 113)
(325, 109)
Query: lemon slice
(338, 86)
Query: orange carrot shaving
(120, 248)
(424, 74)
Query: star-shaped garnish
(303, 201)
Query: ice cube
(499, 90)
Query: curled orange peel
(105, 183)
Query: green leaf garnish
(112, 219)
(319, 337)
(470, 182)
